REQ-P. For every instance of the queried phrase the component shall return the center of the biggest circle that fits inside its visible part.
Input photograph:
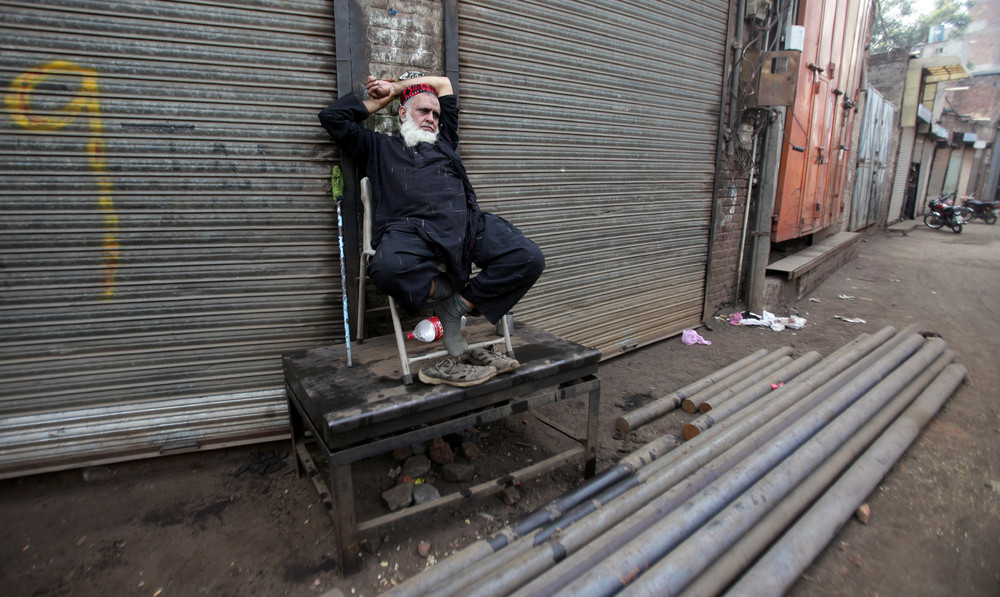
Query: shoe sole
(508, 369)
(499, 371)
(434, 381)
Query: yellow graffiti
(18, 102)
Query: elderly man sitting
(425, 212)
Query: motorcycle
(983, 210)
(944, 213)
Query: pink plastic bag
(690, 337)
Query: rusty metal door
(167, 227)
(871, 180)
(812, 182)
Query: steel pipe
(738, 388)
(749, 395)
(456, 570)
(555, 509)
(605, 566)
(662, 406)
(483, 556)
(714, 579)
(738, 380)
(685, 460)
(655, 500)
(672, 568)
(781, 565)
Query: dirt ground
(226, 523)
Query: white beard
(412, 134)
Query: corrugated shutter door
(592, 126)
(906, 144)
(167, 223)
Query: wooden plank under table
(362, 411)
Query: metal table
(362, 411)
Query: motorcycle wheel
(956, 228)
(989, 217)
(965, 213)
(932, 221)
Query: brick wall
(406, 37)
(406, 40)
(887, 73)
(984, 34)
(730, 207)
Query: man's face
(424, 110)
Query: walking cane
(337, 188)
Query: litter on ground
(690, 337)
(850, 319)
(792, 322)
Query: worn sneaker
(453, 372)
(501, 362)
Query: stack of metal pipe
(741, 508)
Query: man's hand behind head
(378, 88)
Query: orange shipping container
(811, 182)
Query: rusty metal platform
(362, 411)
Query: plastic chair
(503, 326)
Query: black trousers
(404, 266)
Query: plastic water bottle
(429, 330)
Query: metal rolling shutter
(592, 126)
(903, 160)
(167, 223)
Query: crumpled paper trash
(792, 322)
(690, 337)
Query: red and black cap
(413, 90)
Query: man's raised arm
(381, 91)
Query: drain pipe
(784, 563)
(746, 223)
(714, 579)
(734, 83)
(734, 93)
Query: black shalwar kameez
(425, 212)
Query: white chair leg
(404, 359)
(505, 323)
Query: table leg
(593, 416)
(298, 435)
(345, 523)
